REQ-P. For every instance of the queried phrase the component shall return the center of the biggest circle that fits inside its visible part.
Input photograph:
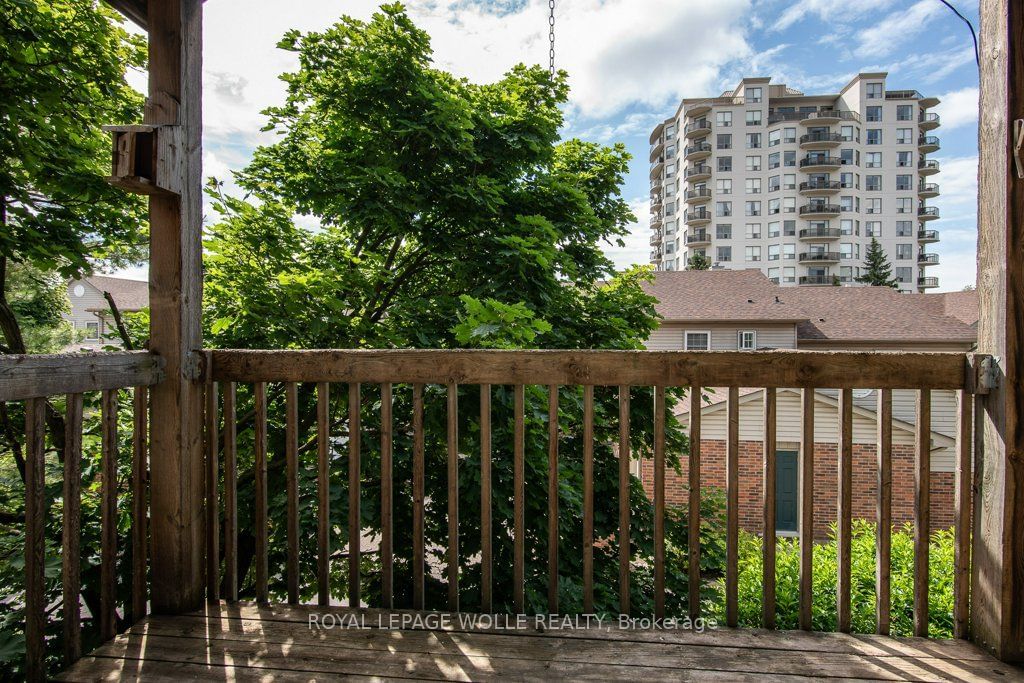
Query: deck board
(249, 642)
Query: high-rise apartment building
(797, 185)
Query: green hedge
(940, 592)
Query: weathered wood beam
(810, 369)
(136, 11)
(39, 376)
(175, 293)
(997, 582)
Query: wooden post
(175, 292)
(997, 605)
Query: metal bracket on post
(983, 373)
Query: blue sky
(630, 62)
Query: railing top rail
(37, 376)
(782, 368)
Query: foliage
(62, 76)
(448, 214)
(878, 270)
(39, 300)
(699, 262)
(862, 598)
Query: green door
(785, 491)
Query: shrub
(862, 569)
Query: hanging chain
(551, 36)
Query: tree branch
(122, 331)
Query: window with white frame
(723, 186)
(789, 274)
(753, 186)
(788, 252)
(753, 253)
(754, 163)
(697, 340)
(92, 330)
(723, 119)
(774, 252)
(753, 231)
(746, 340)
(774, 229)
(873, 205)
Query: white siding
(724, 336)
(826, 425)
(91, 298)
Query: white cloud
(886, 36)
(831, 11)
(637, 247)
(958, 108)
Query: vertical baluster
(768, 547)
(71, 534)
(453, 497)
(588, 498)
(486, 599)
(386, 579)
(883, 537)
(624, 499)
(693, 506)
(260, 482)
(355, 522)
(845, 502)
(553, 499)
(418, 494)
(922, 512)
(291, 456)
(518, 501)
(35, 548)
(962, 507)
(806, 507)
(212, 497)
(323, 492)
(732, 508)
(230, 494)
(659, 501)
(108, 515)
(140, 453)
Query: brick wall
(825, 484)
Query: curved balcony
(698, 196)
(656, 238)
(820, 140)
(655, 204)
(697, 173)
(927, 282)
(820, 210)
(656, 254)
(820, 162)
(927, 167)
(696, 109)
(817, 279)
(701, 150)
(928, 102)
(697, 128)
(928, 121)
(927, 190)
(820, 234)
(927, 259)
(927, 144)
(698, 238)
(698, 218)
(829, 116)
(819, 257)
(658, 130)
(927, 213)
(657, 148)
(817, 188)
(927, 236)
(657, 167)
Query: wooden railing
(33, 380)
(273, 374)
(694, 371)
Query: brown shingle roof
(129, 295)
(877, 314)
(720, 295)
(963, 306)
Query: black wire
(974, 36)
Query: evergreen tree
(699, 262)
(879, 270)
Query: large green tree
(448, 214)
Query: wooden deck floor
(246, 643)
